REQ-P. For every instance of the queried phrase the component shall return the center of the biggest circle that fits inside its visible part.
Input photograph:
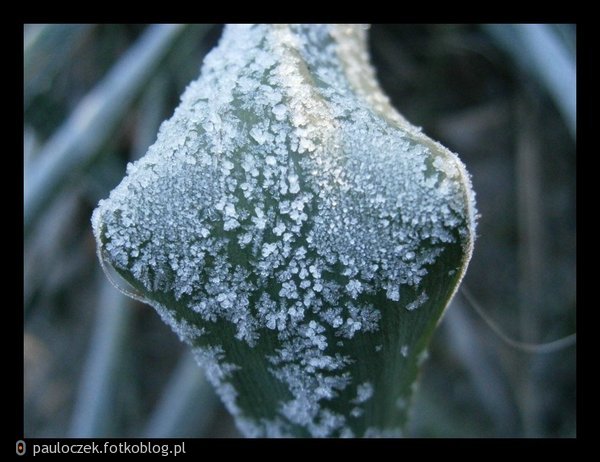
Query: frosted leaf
(286, 223)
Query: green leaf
(296, 231)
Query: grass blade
(539, 50)
(92, 415)
(187, 405)
(94, 119)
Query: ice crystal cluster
(293, 229)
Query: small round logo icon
(21, 448)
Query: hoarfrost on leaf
(283, 211)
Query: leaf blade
(304, 239)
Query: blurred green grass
(462, 83)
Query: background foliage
(98, 364)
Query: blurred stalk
(433, 416)
(30, 146)
(530, 220)
(95, 118)
(153, 108)
(187, 405)
(530, 253)
(187, 58)
(46, 49)
(484, 374)
(540, 51)
(151, 114)
(44, 254)
(92, 415)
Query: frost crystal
(418, 302)
(286, 200)
(363, 392)
(404, 351)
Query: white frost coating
(280, 169)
